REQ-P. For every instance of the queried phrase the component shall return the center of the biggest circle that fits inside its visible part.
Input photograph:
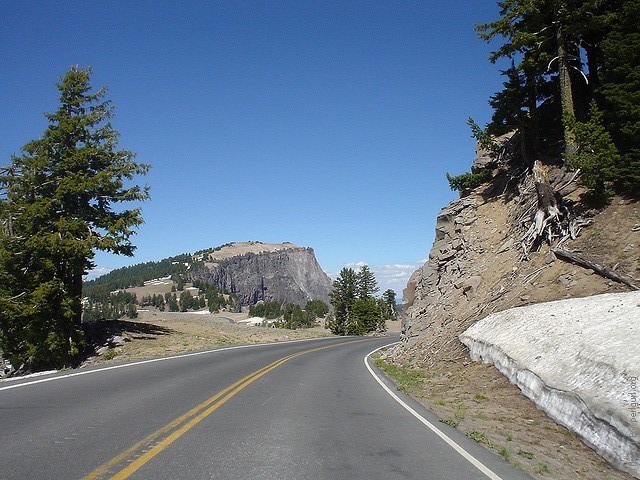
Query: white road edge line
(142, 362)
(470, 458)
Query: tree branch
(599, 269)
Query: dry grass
(157, 334)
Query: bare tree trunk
(566, 90)
(599, 269)
(76, 294)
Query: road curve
(294, 410)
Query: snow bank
(579, 361)
(253, 321)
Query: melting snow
(579, 361)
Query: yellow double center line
(155, 443)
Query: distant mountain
(253, 271)
(257, 271)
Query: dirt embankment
(474, 269)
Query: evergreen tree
(343, 296)
(618, 92)
(566, 54)
(356, 311)
(57, 208)
(544, 36)
(365, 317)
(596, 155)
(173, 303)
(384, 314)
(389, 300)
(186, 301)
(522, 26)
(132, 310)
(295, 317)
(269, 309)
(317, 307)
(367, 285)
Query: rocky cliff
(477, 266)
(257, 271)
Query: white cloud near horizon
(96, 272)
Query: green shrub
(526, 454)
(466, 182)
(450, 421)
(480, 437)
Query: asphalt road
(297, 410)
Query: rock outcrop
(257, 271)
(476, 266)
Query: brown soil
(477, 396)
(478, 400)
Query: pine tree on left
(57, 208)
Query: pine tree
(389, 299)
(596, 155)
(544, 36)
(618, 92)
(317, 307)
(186, 301)
(343, 296)
(173, 303)
(356, 311)
(367, 285)
(366, 316)
(57, 208)
(516, 106)
(565, 55)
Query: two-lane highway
(295, 410)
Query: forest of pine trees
(289, 315)
(571, 89)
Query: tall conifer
(57, 207)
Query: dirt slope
(475, 269)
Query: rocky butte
(257, 271)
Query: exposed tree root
(553, 220)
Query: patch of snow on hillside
(579, 361)
(253, 321)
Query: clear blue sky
(326, 124)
